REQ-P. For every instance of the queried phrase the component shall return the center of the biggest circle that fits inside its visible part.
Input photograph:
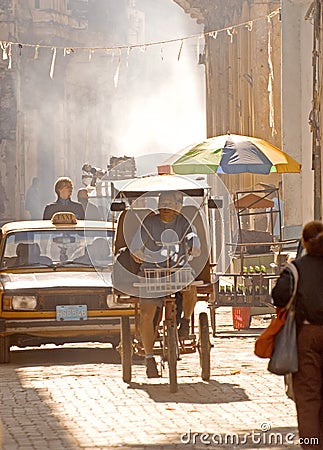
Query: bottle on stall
(240, 288)
(265, 289)
(249, 290)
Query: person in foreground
(63, 188)
(146, 251)
(308, 381)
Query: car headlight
(24, 302)
(111, 301)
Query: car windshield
(57, 247)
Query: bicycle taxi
(136, 200)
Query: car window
(57, 246)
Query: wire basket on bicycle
(165, 281)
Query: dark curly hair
(312, 238)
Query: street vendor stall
(256, 253)
(256, 257)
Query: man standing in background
(32, 204)
(91, 211)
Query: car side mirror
(118, 206)
(215, 203)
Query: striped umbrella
(232, 153)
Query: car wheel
(4, 349)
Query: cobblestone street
(74, 398)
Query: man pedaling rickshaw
(150, 247)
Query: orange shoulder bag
(264, 345)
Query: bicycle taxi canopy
(155, 184)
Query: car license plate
(71, 312)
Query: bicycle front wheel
(172, 353)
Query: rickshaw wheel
(172, 356)
(126, 349)
(212, 309)
(204, 346)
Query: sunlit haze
(164, 111)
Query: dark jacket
(63, 206)
(91, 211)
(309, 297)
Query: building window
(37, 4)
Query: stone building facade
(49, 124)
(247, 92)
(78, 98)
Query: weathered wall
(300, 89)
(296, 106)
(237, 75)
(9, 135)
(237, 70)
(90, 110)
(61, 116)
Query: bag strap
(292, 268)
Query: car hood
(43, 280)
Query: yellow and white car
(55, 283)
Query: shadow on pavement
(66, 355)
(248, 333)
(200, 392)
(27, 421)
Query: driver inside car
(28, 254)
(164, 240)
(99, 252)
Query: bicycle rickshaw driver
(147, 249)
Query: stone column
(296, 106)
